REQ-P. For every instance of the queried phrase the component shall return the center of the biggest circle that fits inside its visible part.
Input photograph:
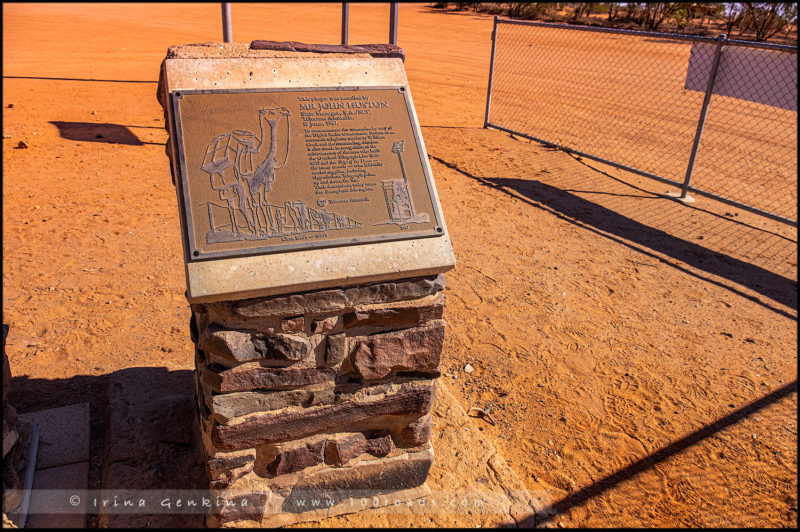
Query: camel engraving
(253, 166)
(241, 167)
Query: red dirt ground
(640, 354)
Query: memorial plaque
(272, 170)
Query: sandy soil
(640, 354)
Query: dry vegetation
(773, 22)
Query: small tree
(515, 9)
(630, 10)
(733, 16)
(766, 20)
(710, 12)
(681, 16)
(659, 12)
(613, 11)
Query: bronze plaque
(272, 170)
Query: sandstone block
(335, 349)
(309, 303)
(344, 448)
(418, 349)
(293, 324)
(418, 432)
(341, 450)
(244, 346)
(380, 445)
(298, 458)
(10, 437)
(6, 367)
(229, 405)
(222, 479)
(328, 301)
(402, 315)
(245, 378)
(395, 291)
(249, 506)
(10, 415)
(12, 489)
(226, 461)
(259, 429)
(365, 479)
(375, 50)
(19, 451)
(326, 325)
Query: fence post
(491, 73)
(703, 110)
(345, 17)
(227, 27)
(393, 23)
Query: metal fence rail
(712, 116)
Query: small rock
(563, 418)
(468, 368)
(6, 136)
(540, 385)
(754, 436)
(749, 340)
(94, 112)
(10, 106)
(22, 146)
(561, 524)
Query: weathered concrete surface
(151, 442)
(63, 436)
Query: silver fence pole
(393, 23)
(345, 17)
(703, 110)
(227, 28)
(491, 73)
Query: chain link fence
(711, 116)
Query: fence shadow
(607, 483)
(758, 279)
(637, 235)
(98, 132)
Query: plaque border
(193, 254)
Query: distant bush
(754, 21)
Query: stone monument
(315, 248)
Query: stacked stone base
(311, 402)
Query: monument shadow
(141, 435)
(99, 132)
